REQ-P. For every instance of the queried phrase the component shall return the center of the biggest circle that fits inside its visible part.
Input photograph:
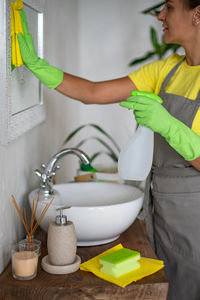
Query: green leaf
(141, 59)
(81, 143)
(98, 128)
(174, 47)
(163, 50)
(112, 156)
(154, 40)
(102, 142)
(107, 146)
(160, 49)
(106, 134)
(154, 10)
(95, 155)
(70, 136)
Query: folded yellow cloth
(16, 27)
(148, 266)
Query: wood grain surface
(84, 285)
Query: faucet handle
(50, 175)
(38, 173)
(56, 168)
(43, 176)
(43, 166)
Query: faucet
(46, 176)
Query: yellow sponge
(120, 262)
(16, 27)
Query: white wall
(19, 159)
(90, 38)
(111, 34)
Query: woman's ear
(196, 16)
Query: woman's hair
(191, 3)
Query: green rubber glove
(48, 75)
(153, 115)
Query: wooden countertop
(84, 285)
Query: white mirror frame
(12, 126)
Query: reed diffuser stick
(32, 219)
(17, 208)
(42, 215)
(25, 218)
(38, 197)
(33, 213)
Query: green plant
(113, 154)
(159, 49)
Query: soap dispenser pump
(61, 240)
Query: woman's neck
(192, 60)
(192, 51)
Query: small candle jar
(31, 239)
(25, 260)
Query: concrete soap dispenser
(61, 241)
(61, 246)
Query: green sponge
(88, 168)
(120, 262)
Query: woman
(172, 202)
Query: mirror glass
(25, 87)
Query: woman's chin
(167, 40)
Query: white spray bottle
(135, 159)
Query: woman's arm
(72, 86)
(89, 92)
(195, 163)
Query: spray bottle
(135, 159)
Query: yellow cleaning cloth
(148, 266)
(16, 27)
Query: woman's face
(177, 22)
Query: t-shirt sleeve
(147, 77)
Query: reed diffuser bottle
(25, 253)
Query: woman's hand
(152, 114)
(148, 111)
(27, 48)
(47, 74)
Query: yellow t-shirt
(185, 82)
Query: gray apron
(172, 204)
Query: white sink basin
(100, 211)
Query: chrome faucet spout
(79, 153)
(46, 177)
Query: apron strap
(198, 98)
(170, 75)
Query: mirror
(22, 80)
(22, 103)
